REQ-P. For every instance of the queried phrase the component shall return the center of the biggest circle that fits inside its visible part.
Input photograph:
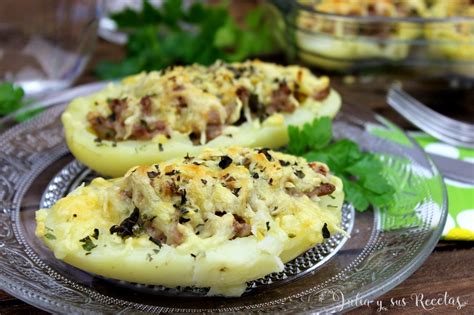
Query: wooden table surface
(447, 271)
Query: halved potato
(216, 220)
(114, 157)
(334, 42)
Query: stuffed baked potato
(215, 220)
(157, 116)
(336, 43)
(457, 37)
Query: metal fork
(439, 126)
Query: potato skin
(114, 159)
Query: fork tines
(433, 123)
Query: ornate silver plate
(385, 247)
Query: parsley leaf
(88, 243)
(160, 37)
(361, 172)
(313, 136)
(50, 236)
(129, 18)
(10, 98)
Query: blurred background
(364, 45)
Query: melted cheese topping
(200, 100)
(210, 195)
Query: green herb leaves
(313, 136)
(10, 98)
(361, 172)
(88, 244)
(171, 35)
(50, 236)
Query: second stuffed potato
(154, 117)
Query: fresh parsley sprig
(12, 99)
(361, 172)
(169, 35)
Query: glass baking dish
(347, 43)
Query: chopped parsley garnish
(299, 174)
(361, 172)
(96, 234)
(152, 174)
(183, 196)
(236, 191)
(284, 163)
(50, 236)
(225, 162)
(265, 152)
(172, 173)
(183, 220)
(325, 231)
(156, 242)
(268, 225)
(126, 227)
(88, 243)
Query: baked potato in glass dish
(360, 36)
(432, 37)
